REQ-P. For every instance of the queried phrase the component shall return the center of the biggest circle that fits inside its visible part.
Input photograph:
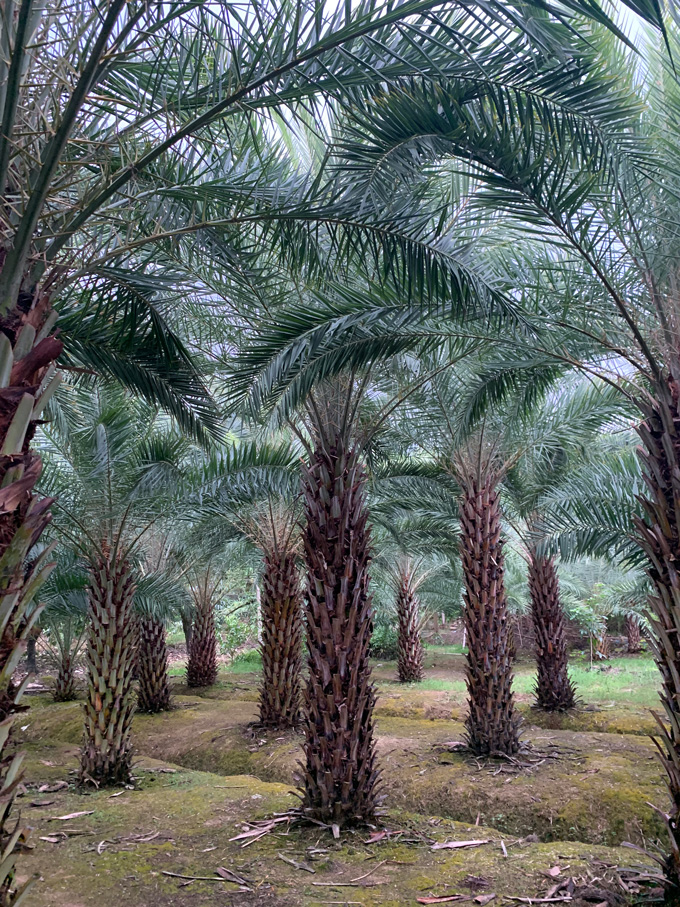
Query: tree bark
(659, 537)
(281, 647)
(492, 725)
(107, 752)
(152, 662)
(554, 689)
(633, 634)
(65, 683)
(410, 658)
(341, 778)
(202, 664)
(31, 660)
(27, 380)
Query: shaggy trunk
(281, 646)
(107, 752)
(603, 648)
(659, 536)
(340, 778)
(492, 724)
(65, 684)
(634, 634)
(202, 664)
(27, 381)
(31, 651)
(152, 661)
(554, 689)
(410, 660)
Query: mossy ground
(591, 790)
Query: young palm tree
(65, 622)
(116, 468)
(106, 756)
(154, 688)
(205, 588)
(555, 691)
(410, 661)
(250, 492)
(281, 614)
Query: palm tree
(281, 614)
(205, 587)
(115, 467)
(64, 621)
(410, 662)
(159, 594)
(340, 773)
(249, 492)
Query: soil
(204, 771)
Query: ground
(203, 772)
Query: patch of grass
(246, 662)
(457, 686)
(632, 680)
(456, 649)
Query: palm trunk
(65, 684)
(410, 660)
(188, 630)
(281, 645)
(633, 634)
(154, 689)
(659, 537)
(107, 752)
(340, 779)
(554, 689)
(27, 380)
(492, 724)
(31, 651)
(603, 648)
(202, 664)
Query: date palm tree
(277, 534)
(64, 621)
(249, 492)
(116, 467)
(410, 661)
(205, 587)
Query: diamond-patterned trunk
(659, 536)
(492, 725)
(202, 663)
(281, 647)
(410, 658)
(27, 380)
(554, 689)
(633, 634)
(340, 775)
(152, 667)
(107, 751)
(65, 683)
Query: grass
(629, 679)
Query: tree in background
(410, 667)
(116, 466)
(281, 613)
(205, 588)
